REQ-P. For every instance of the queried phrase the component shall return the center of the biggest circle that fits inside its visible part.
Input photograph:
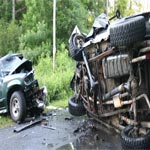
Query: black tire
(17, 106)
(75, 46)
(76, 107)
(128, 31)
(130, 142)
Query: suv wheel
(128, 31)
(75, 45)
(76, 107)
(131, 141)
(17, 106)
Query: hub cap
(15, 107)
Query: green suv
(20, 94)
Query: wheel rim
(15, 107)
(78, 41)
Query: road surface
(62, 132)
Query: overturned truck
(111, 81)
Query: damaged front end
(36, 96)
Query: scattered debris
(96, 137)
(48, 127)
(29, 119)
(68, 118)
(45, 123)
(43, 118)
(47, 114)
(76, 130)
(25, 135)
(32, 123)
(92, 127)
(56, 133)
(84, 126)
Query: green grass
(59, 103)
(5, 121)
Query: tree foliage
(35, 18)
(6, 9)
(37, 11)
(126, 7)
(9, 41)
(69, 13)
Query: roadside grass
(59, 103)
(5, 121)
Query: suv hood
(14, 63)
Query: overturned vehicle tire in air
(128, 31)
(75, 45)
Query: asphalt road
(62, 132)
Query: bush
(35, 53)
(57, 81)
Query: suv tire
(76, 107)
(75, 45)
(17, 106)
(128, 31)
(130, 142)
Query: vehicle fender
(8, 88)
(14, 83)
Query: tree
(68, 14)
(13, 10)
(95, 8)
(9, 41)
(37, 26)
(126, 7)
(37, 11)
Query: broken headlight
(29, 78)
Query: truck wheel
(128, 31)
(130, 141)
(17, 106)
(76, 107)
(75, 45)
